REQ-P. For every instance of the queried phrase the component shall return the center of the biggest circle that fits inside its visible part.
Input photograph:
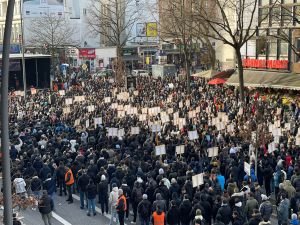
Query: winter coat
(91, 191)
(288, 187)
(283, 210)
(185, 210)
(45, 204)
(294, 205)
(113, 196)
(174, 188)
(266, 209)
(82, 182)
(173, 216)
(251, 204)
(146, 204)
(50, 186)
(161, 202)
(225, 213)
(36, 184)
(44, 172)
(103, 188)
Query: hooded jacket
(283, 210)
(113, 196)
(185, 210)
(173, 215)
(159, 202)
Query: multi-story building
(16, 26)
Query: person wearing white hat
(144, 210)
(266, 207)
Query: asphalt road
(71, 214)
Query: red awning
(224, 74)
(217, 81)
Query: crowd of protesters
(54, 150)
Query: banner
(151, 29)
(87, 53)
(34, 8)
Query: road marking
(98, 210)
(60, 219)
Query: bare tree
(233, 23)
(51, 32)
(114, 21)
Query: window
(84, 12)
(265, 2)
(276, 16)
(284, 48)
(272, 47)
(261, 45)
(264, 15)
(287, 13)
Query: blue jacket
(50, 186)
(221, 180)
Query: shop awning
(207, 74)
(224, 74)
(267, 79)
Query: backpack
(139, 195)
(280, 177)
(143, 210)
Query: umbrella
(217, 81)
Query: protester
(121, 206)
(113, 200)
(69, 180)
(158, 217)
(45, 206)
(91, 192)
(145, 210)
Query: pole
(4, 116)
(23, 52)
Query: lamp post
(4, 116)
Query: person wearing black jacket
(36, 186)
(225, 212)
(82, 183)
(103, 194)
(144, 210)
(173, 215)
(45, 207)
(91, 191)
(185, 209)
(60, 174)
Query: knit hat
(264, 197)
(173, 181)
(103, 177)
(145, 196)
(161, 171)
(294, 216)
(198, 212)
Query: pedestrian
(121, 206)
(265, 208)
(251, 204)
(199, 219)
(136, 197)
(103, 194)
(158, 217)
(36, 186)
(283, 209)
(45, 206)
(294, 219)
(60, 175)
(69, 180)
(144, 210)
(19, 185)
(113, 200)
(225, 212)
(82, 183)
(49, 186)
(127, 192)
(255, 218)
(91, 191)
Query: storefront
(87, 56)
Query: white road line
(98, 210)
(60, 219)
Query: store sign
(265, 64)
(87, 53)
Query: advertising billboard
(151, 29)
(39, 8)
(141, 30)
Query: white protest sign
(160, 150)
(271, 147)
(278, 112)
(114, 105)
(91, 108)
(213, 152)
(69, 101)
(240, 111)
(198, 109)
(247, 168)
(176, 115)
(188, 103)
(180, 149)
(276, 132)
(193, 135)
(192, 114)
(79, 98)
(33, 91)
(121, 132)
(87, 123)
(107, 99)
(62, 92)
(135, 130)
(276, 139)
(66, 110)
(180, 104)
(142, 117)
(165, 119)
(155, 128)
(230, 128)
(120, 108)
(144, 110)
(170, 110)
(77, 122)
(112, 132)
(287, 126)
(121, 114)
(277, 123)
(221, 126)
(97, 121)
(197, 180)
(171, 85)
